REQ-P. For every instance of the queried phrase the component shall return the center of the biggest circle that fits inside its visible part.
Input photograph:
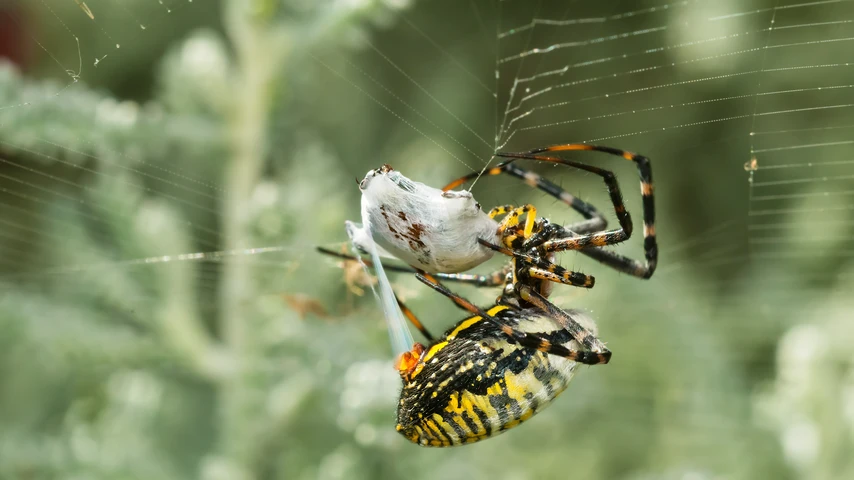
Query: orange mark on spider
(648, 230)
(407, 361)
(85, 9)
(568, 147)
(599, 241)
(646, 189)
(544, 346)
(456, 183)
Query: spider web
(775, 75)
(744, 108)
(774, 78)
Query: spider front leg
(583, 242)
(612, 259)
(594, 219)
(541, 269)
(618, 262)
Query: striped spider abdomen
(475, 382)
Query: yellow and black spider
(501, 365)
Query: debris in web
(752, 165)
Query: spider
(501, 365)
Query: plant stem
(259, 52)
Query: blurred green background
(135, 133)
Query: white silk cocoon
(427, 228)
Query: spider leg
(595, 219)
(493, 279)
(545, 270)
(414, 320)
(558, 274)
(603, 355)
(394, 268)
(610, 237)
(612, 259)
(578, 332)
(606, 257)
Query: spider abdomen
(475, 382)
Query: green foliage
(123, 357)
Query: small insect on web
(501, 365)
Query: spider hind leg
(598, 354)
